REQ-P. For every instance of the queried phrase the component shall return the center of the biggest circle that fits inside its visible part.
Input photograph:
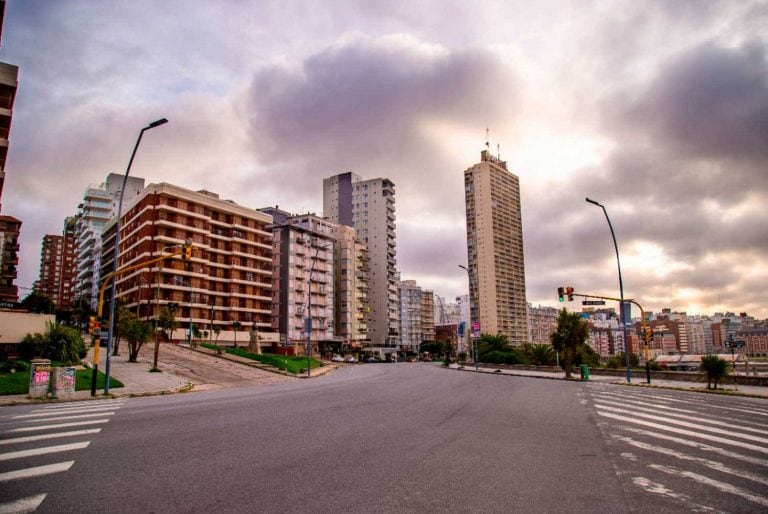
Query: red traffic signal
(569, 292)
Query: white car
(337, 358)
(350, 359)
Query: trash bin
(584, 372)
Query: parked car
(337, 358)
(350, 359)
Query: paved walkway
(668, 384)
(181, 369)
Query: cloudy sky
(657, 109)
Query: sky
(657, 109)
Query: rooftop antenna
(498, 152)
(487, 143)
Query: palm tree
(715, 368)
(571, 332)
(542, 354)
(491, 343)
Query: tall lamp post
(152, 125)
(621, 287)
(474, 339)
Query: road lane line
(718, 428)
(717, 466)
(661, 489)
(36, 471)
(34, 452)
(721, 486)
(730, 442)
(698, 445)
(60, 425)
(76, 416)
(22, 505)
(31, 438)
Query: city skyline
(657, 111)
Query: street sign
(734, 344)
(593, 302)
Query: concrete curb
(509, 373)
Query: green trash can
(584, 372)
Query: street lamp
(621, 287)
(474, 339)
(152, 125)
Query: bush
(504, 357)
(59, 343)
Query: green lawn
(291, 364)
(18, 383)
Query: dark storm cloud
(688, 174)
(364, 105)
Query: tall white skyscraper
(369, 207)
(495, 249)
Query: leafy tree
(217, 332)
(715, 368)
(432, 347)
(570, 334)
(59, 342)
(620, 360)
(81, 309)
(136, 333)
(236, 325)
(38, 302)
(124, 316)
(167, 321)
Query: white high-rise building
(495, 249)
(369, 207)
(99, 206)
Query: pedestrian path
(43, 441)
(686, 448)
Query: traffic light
(186, 253)
(569, 292)
(648, 335)
(91, 324)
(561, 293)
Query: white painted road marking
(721, 486)
(76, 416)
(22, 505)
(60, 425)
(43, 451)
(42, 414)
(36, 471)
(30, 438)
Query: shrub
(504, 357)
(59, 342)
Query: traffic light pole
(108, 279)
(643, 326)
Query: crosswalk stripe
(661, 489)
(698, 426)
(31, 438)
(691, 433)
(721, 486)
(39, 414)
(36, 471)
(22, 505)
(717, 466)
(34, 452)
(702, 417)
(76, 416)
(625, 401)
(697, 445)
(60, 425)
(78, 405)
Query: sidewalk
(701, 387)
(181, 369)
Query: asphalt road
(369, 438)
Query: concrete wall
(14, 325)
